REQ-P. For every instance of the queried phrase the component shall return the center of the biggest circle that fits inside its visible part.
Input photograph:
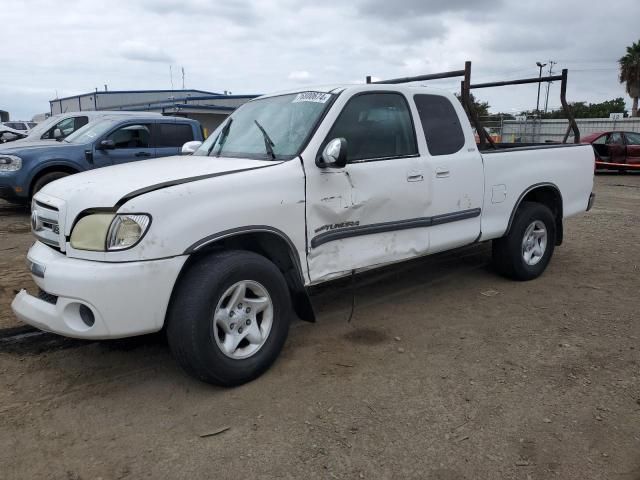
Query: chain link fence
(533, 130)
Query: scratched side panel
(329, 260)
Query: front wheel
(525, 252)
(229, 317)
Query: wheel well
(50, 169)
(549, 196)
(276, 249)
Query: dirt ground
(446, 371)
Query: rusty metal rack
(465, 89)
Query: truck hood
(111, 187)
(17, 146)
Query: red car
(616, 150)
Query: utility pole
(546, 102)
(182, 78)
(635, 100)
(541, 65)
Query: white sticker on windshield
(316, 97)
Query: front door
(131, 142)
(616, 147)
(369, 212)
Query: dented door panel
(361, 195)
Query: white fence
(540, 131)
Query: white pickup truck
(292, 190)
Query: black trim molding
(359, 230)
(293, 251)
(529, 190)
(171, 183)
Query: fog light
(87, 316)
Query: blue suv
(28, 166)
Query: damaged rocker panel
(359, 230)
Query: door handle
(143, 154)
(442, 173)
(416, 177)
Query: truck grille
(44, 224)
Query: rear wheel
(525, 252)
(229, 317)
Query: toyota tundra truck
(220, 248)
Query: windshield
(90, 132)
(272, 128)
(44, 126)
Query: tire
(510, 252)
(46, 178)
(198, 318)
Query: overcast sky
(259, 46)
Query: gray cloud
(421, 8)
(240, 11)
(144, 52)
(257, 46)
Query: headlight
(10, 163)
(126, 230)
(107, 231)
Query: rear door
(633, 148)
(169, 137)
(454, 174)
(369, 212)
(132, 142)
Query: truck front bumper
(96, 300)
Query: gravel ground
(446, 371)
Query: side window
(633, 138)
(441, 125)
(131, 136)
(32, 124)
(600, 140)
(173, 134)
(80, 122)
(615, 139)
(65, 126)
(376, 125)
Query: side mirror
(57, 134)
(334, 154)
(190, 147)
(107, 145)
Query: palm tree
(630, 74)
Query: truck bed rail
(465, 89)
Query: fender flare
(559, 216)
(48, 164)
(300, 296)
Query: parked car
(20, 125)
(615, 150)
(110, 140)
(9, 134)
(58, 127)
(292, 190)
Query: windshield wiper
(268, 143)
(223, 137)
